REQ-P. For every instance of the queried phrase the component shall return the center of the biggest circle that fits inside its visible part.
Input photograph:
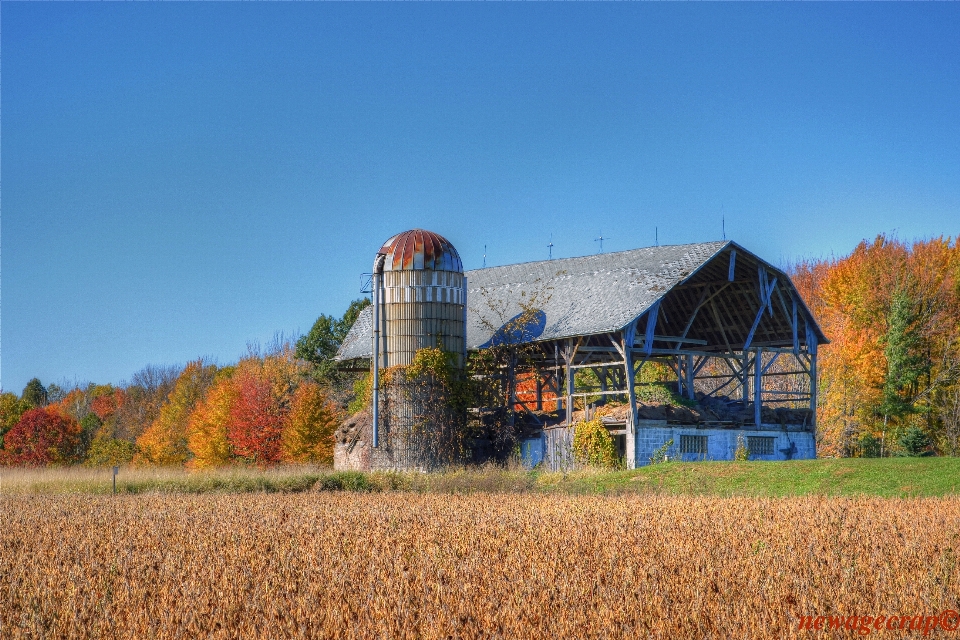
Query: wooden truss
(733, 328)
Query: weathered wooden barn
(732, 328)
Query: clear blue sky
(181, 178)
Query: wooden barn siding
(558, 449)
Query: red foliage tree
(257, 420)
(43, 436)
(106, 405)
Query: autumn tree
(308, 434)
(265, 387)
(165, 441)
(144, 396)
(11, 409)
(43, 436)
(208, 424)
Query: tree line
(889, 380)
(281, 405)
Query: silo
(419, 301)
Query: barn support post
(681, 376)
(689, 377)
(603, 384)
(629, 333)
(813, 389)
(758, 387)
(568, 359)
(745, 376)
(539, 389)
(812, 344)
(556, 373)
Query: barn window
(760, 445)
(693, 444)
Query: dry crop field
(406, 565)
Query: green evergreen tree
(34, 394)
(89, 427)
(915, 443)
(906, 361)
(870, 446)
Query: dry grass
(408, 565)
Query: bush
(742, 454)
(660, 455)
(592, 444)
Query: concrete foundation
(553, 447)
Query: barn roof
(606, 292)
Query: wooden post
(757, 387)
(681, 377)
(690, 393)
(630, 378)
(568, 359)
(539, 389)
(556, 373)
(745, 377)
(603, 384)
(116, 470)
(813, 389)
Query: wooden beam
(757, 387)
(629, 334)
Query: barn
(730, 329)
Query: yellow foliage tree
(207, 426)
(308, 434)
(165, 441)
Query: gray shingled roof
(579, 296)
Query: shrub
(592, 444)
(742, 453)
(869, 446)
(660, 455)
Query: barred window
(693, 444)
(760, 445)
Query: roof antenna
(656, 236)
(484, 256)
(600, 240)
(723, 223)
(550, 247)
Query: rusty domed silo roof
(419, 249)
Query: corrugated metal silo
(423, 297)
